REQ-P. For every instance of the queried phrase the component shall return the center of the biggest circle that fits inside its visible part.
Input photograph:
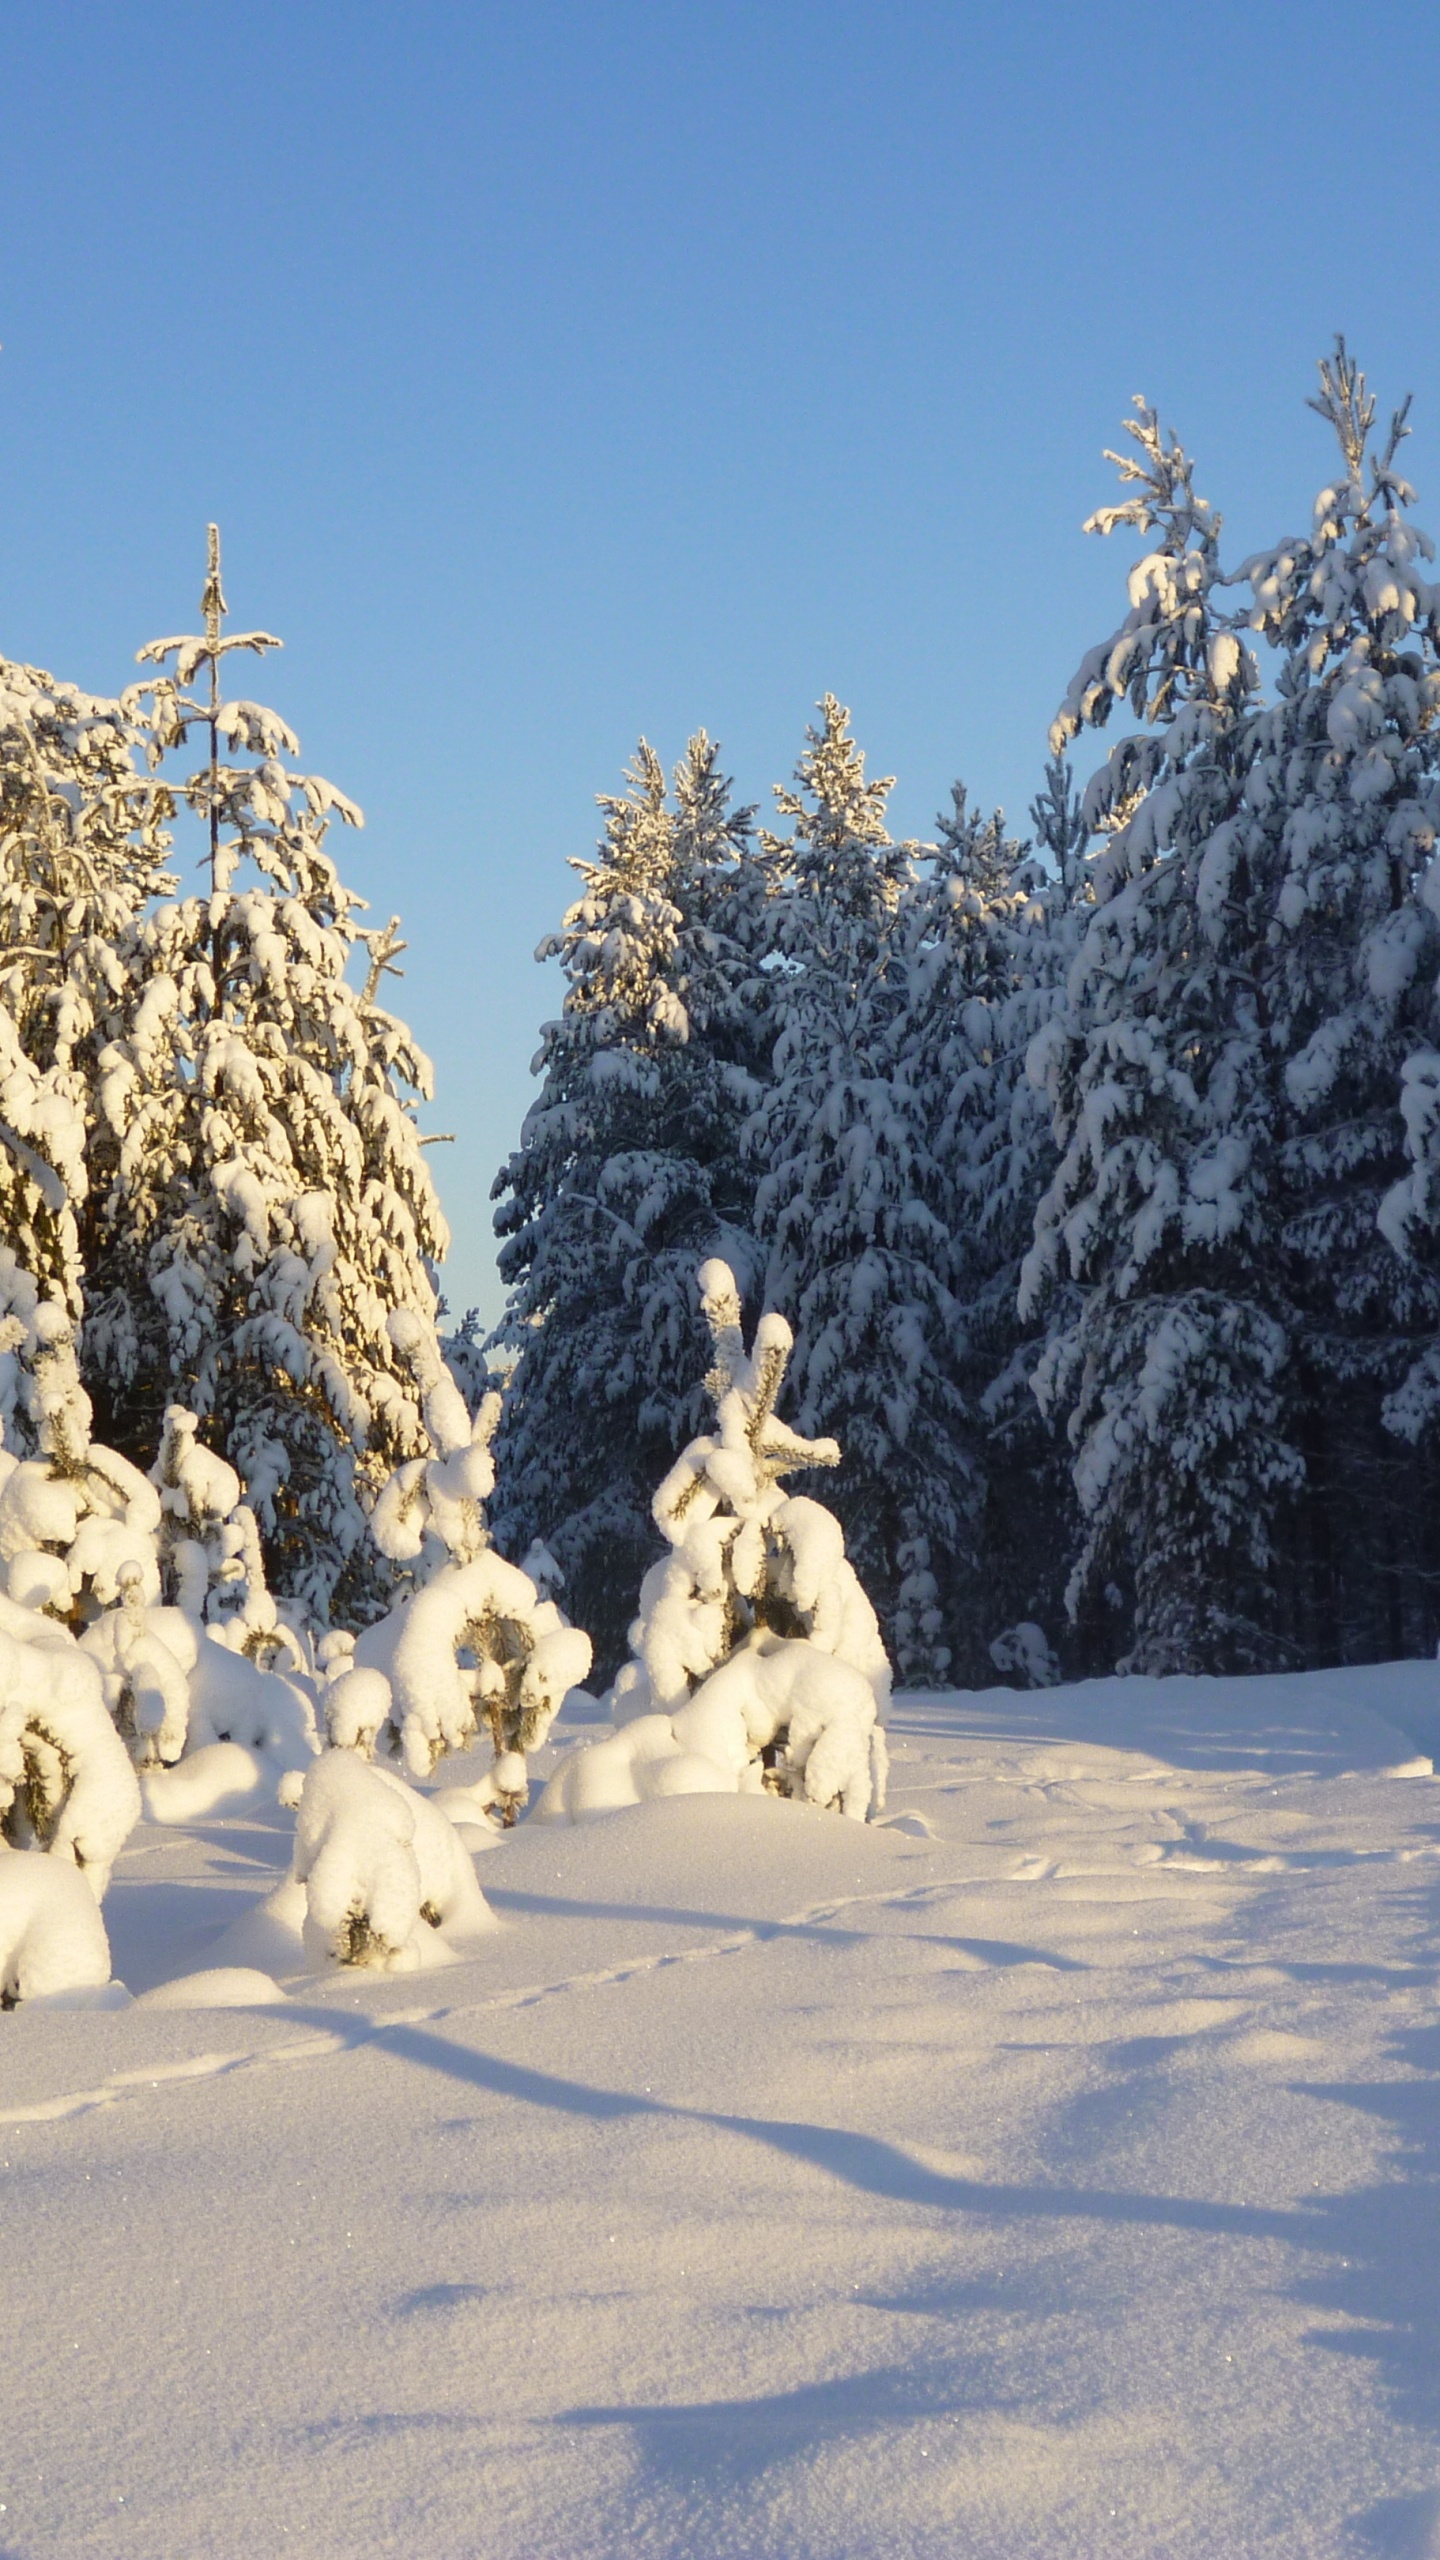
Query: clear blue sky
(560, 372)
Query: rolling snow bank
(1053, 2176)
(757, 1660)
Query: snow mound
(222, 1987)
(220, 1774)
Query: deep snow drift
(1049, 2168)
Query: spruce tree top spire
(214, 608)
(257, 803)
(1350, 407)
(1171, 648)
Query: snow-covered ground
(1053, 2168)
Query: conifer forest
(1089, 1157)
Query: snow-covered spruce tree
(629, 1168)
(1031, 1522)
(269, 1204)
(1163, 1082)
(470, 1646)
(1341, 806)
(81, 850)
(984, 940)
(850, 1198)
(757, 1659)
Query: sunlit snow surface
(1054, 2169)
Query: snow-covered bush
(90, 1543)
(475, 1648)
(52, 1937)
(779, 1717)
(522, 1660)
(210, 1556)
(745, 1556)
(757, 1658)
(388, 1883)
(432, 1508)
(66, 1783)
(77, 1521)
(1025, 1652)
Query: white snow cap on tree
(757, 1658)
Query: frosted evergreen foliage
(270, 1203)
(983, 941)
(849, 1202)
(1161, 1082)
(464, 1355)
(629, 1167)
(1341, 802)
(76, 1529)
(81, 848)
(922, 1657)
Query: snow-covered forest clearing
(995, 1260)
(1051, 2168)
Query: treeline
(1096, 1173)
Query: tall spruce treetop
(629, 1166)
(270, 1205)
(1346, 777)
(1161, 1080)
(849, 1201)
